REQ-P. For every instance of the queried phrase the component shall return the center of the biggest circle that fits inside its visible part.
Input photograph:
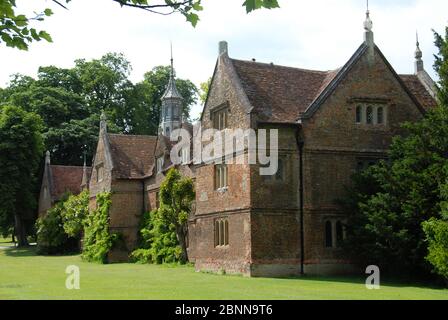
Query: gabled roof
(278, 93)
(65, 179)
(417, 88)
(284, 95)
(132, 156)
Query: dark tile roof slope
(414, 85)
(278, 93)
(66, 179)
(133, 156)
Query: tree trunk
(181, 235)
(20, 231)
(14, 237)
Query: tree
(21, 149)
(148, 95)
(390, 202)
(204, 87)
(176, 197)
(70, 102)
(16, 30)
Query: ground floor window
(334, 233)
(221, 232)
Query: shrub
(97, 239)
(51, 238)
(158, 241)
(437, 237)
(74, 213)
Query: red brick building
(330, 124)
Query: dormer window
(160, 162)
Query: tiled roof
(280, 94)
(66, 179)
(132, 156)
(419, 91)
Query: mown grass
(24, 275)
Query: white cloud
(319, 34)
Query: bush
(158, 241)
(51, 238)
(97, 239)
(61, 229)
(437, 237)
(76, 209)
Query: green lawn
(6, 242)
(23, 275)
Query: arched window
(339, 233)
(369, 115)
(221, 233)
(358, 114)
(380, 115)
(328, 234)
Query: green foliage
(437, 237)
(158, 241)
(176, 197)
(390, 202)
(16, 30)
(203, 90)
(97, 239)
(51, 238)
(70, 102)
(60, 230)
(75, 211)
(21, 149)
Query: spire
(418, 57)
(84, 174)
(368, 26)
(171, 90)
(47, 158)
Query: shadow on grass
(31, 251)
(385, 282)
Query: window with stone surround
(371, 114)
(334, 233)
(99, 173)
(160, 162)
(221, 233)
(220, 117)
(221, 177)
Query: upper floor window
(280, 175)
(371, 114)
(358, 114)
(185, 155)
(160, 163)
(380, 115)
(221, 177)
(221, 119)
(99, 173)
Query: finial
(103, 121)
(368, 24)
(419, 66)
(47, 157)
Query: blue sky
(318, 34)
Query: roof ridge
(131, 135)
(286, 67)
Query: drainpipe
(300, 145)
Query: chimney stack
(223, 47)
